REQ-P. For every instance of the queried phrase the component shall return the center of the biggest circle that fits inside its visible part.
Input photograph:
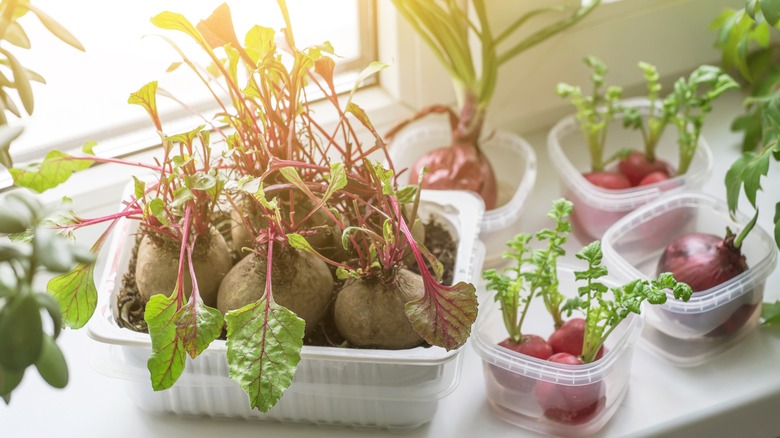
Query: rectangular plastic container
(596, 208)
(334, 386)
(714, 320)
(513, 161)
(591, 393)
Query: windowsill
(735, 394)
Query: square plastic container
(596, 208)
(393, 389)
(713, 320)
(513, 161)
(515, 382)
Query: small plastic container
(531, 392)
(596, 208)
(391, 389)
(513, 161)
(714, 320)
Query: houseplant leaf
(444, 315)
(197, 325)
(51, 364)
(54, 170)
(168, 353)
(21, 333)
(76, 293)
(264, 343)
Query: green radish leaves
(602, 312)
(264, 346)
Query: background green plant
(27, 250)
(744, 37)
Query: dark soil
(131, 307)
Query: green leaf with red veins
(146, 97)
(173, 21)
(156, 208)
(55, 169)
(324, 67)
(168, 352)
(139, 188)
(259, 41)
(197, 325)
(264, 343)
(76, 294)
(445, 314)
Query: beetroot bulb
(702, 260)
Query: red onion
(458, 167)
(702, 260)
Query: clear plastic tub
(334, 386)
(596, 208)
(513, 161)
(713, 320)
(525, 391)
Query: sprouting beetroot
(702, 260)
(569, 338)
(637, 167)
(608, 180)
(653, 178)
(570, 404)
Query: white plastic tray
(355, 387)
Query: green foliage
(56, 168)
(24, 341)
(684, 107)
(744, 39)
(595, 111)
(264, 343)
(602, 313)
(534, 273)
(168, 352)
(19, 82)
(688, 103)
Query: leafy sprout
(534, 273)
(603, 314)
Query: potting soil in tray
(131, 306)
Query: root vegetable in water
(608, 180)
(569, 338)
(157, 266)
(570, 404)
(636, 167)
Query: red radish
(569, 338)
(531, 345)
(653, 178)
(702, 260)
(637, 167)
(608, 180)
(570, 404)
